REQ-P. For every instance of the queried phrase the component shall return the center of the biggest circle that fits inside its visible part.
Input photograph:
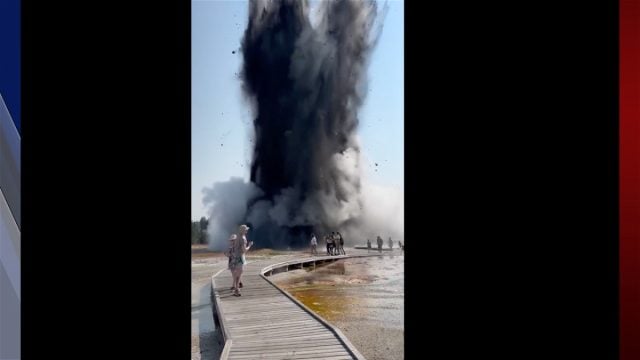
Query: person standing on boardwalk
(238, 259)
(368, 245)
(228, 253)
(332, 244)
(340, 244)
(379, 243)
(326, 241)
(390, 243)
(314, 245)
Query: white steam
(365, 210)
(227, 205)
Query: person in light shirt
(238, 259)
(314, 245)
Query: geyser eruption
(306, 83)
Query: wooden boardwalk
(267, 323)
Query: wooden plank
(249, 290)
(271, 324)
(306, 329)
(234, 312)
(256, 318)
(290, 350)
(276, 331)
(300, 343)
(247, 299)
(287, 354)
(297, 347)
(255, 334)
(248, 343)
(237, 304)
(242, 308)
(274, 318)
(257, 312)
(297, 356)
(226, 349)
(285, 346)
(281, 310)
(275, 340)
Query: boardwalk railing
(301, 263)
(216, 313)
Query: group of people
(238, 247)
(334, 241)
(381, 242)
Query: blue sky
(221, 119)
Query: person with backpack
(229, 252)
(238, 259)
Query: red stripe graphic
(629, 179)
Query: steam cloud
(306, 83)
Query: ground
(375, 326)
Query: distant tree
(195, 232)
(204, 224)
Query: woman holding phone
(238, 259)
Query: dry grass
(202, 252)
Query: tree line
(199, 231)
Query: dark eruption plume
(306, 83)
